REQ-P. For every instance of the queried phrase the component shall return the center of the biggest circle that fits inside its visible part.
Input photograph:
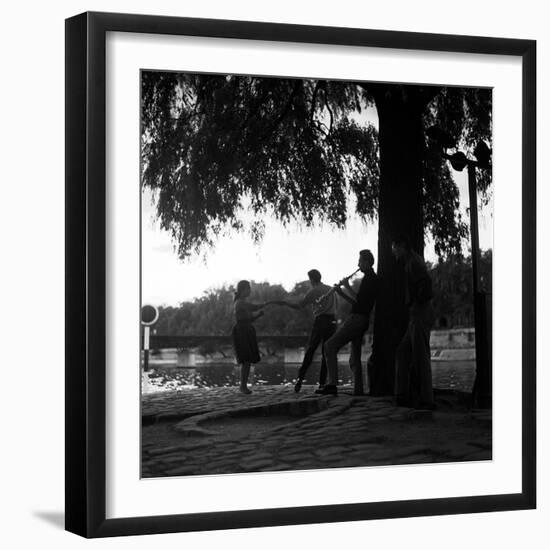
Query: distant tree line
(453, 289)
(212, 313)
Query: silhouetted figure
(324, 324)
(244, 333)
(413, 372)
(355, 326)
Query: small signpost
(149, 316)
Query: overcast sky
(284, 256)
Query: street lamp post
(482, 390)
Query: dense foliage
(212, 313)
(215, 146)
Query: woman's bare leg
(245, 370)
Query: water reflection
(458, 375)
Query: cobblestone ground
(218, 430)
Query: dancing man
(355, 326)
(324, 324)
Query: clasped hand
(344, 282)
(337, 289)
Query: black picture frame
(86, 276)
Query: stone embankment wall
(446, 345)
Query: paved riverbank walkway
(203, 431)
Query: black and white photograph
(275, 275)
(316, 273)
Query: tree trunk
(401, 138)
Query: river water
(457, 375)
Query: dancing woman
(244, 333)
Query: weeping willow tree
(216, 147)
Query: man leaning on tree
(413, 370)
